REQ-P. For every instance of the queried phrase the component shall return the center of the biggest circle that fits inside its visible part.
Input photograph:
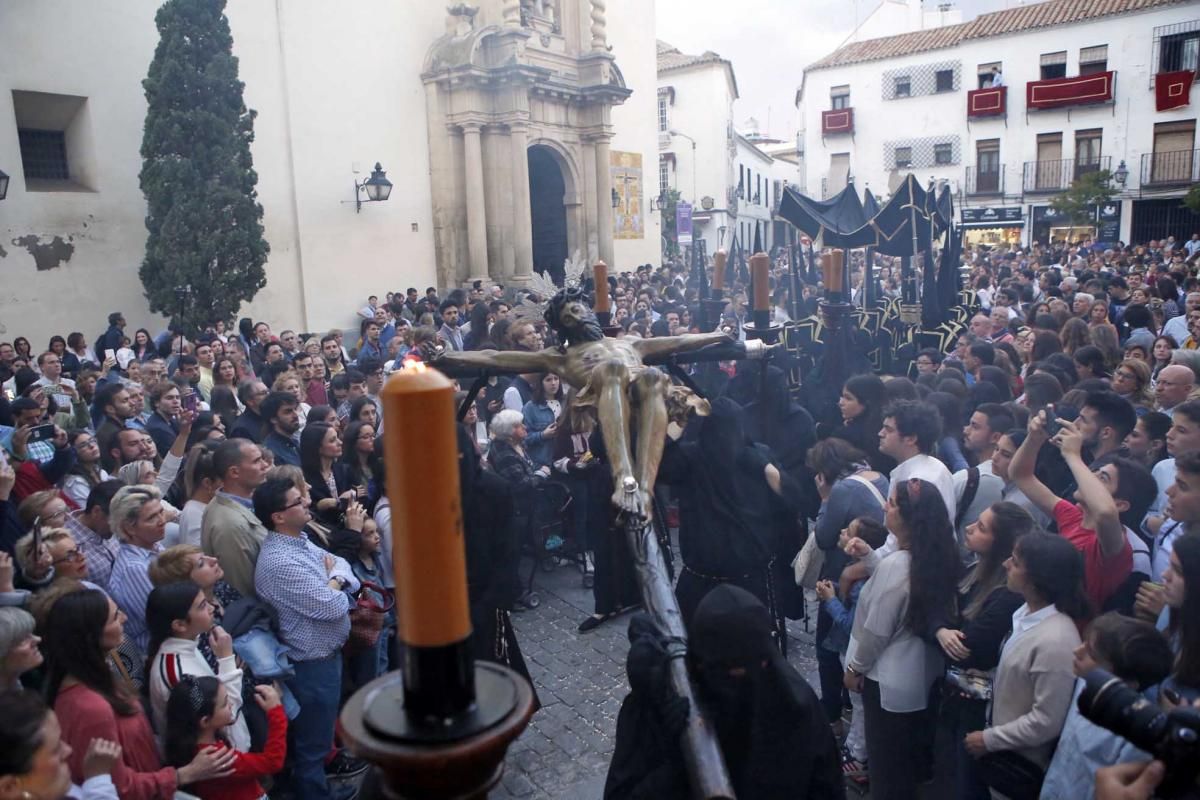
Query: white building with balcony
(1080, 88)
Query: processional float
(441, 728)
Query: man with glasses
(250, 424)
(1174, 384)
(310, 591)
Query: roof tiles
(998, 23)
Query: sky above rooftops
(770, 42)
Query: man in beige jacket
(229, 531)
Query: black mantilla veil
(585, 329)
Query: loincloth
(681, 402)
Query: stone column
(604, 211)
(522, 218)
(476, 207)
(599, 27)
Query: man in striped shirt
(310, 591)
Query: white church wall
(631, 35)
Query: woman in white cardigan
(1034, 681)
(888, 660)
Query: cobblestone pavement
(580, 678)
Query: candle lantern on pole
(761, 328)
(440, 728)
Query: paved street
(564, 753)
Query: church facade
(514, 132)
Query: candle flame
(413, 367)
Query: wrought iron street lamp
(1122, 173)
(377, 188)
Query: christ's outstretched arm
(684, 343)
(511, 361)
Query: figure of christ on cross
(612, 376)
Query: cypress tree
(203, 216)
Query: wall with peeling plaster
(335, 92)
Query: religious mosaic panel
(626, 170)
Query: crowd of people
(196, 565)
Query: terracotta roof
(669, 57)
(892, 46)
(997, 23)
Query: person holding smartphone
(1111, 500)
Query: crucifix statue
(610, 375)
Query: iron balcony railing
(1170, 168)
(1056, 176)
(983, 182)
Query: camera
(1172, 737)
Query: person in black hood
(775, 421)
(492, 558)
(768, 720)
(729, 496)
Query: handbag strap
(969, 492)
(874, 492)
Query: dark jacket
(986, 632)
(109, 340)
(319, 490)
(515, 468)
(249, 425)
(285, 448)
(162, 431)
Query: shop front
(1051, 226)
(993, 226)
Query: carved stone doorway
(547, 202)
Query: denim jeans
(318, 687)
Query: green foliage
(670, 241)
(203, 217)
(1192, 199)
(1087, 191)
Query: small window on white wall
(903, 86)
(903, 157)
(54, 135)
(663, 122)
(664, 177)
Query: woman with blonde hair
(138, 519)
(1131, 380)
(289, 381)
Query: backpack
(807, 564)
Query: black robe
(493, 553)
(728, 515)
(772, 732)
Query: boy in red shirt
(1112, 498)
